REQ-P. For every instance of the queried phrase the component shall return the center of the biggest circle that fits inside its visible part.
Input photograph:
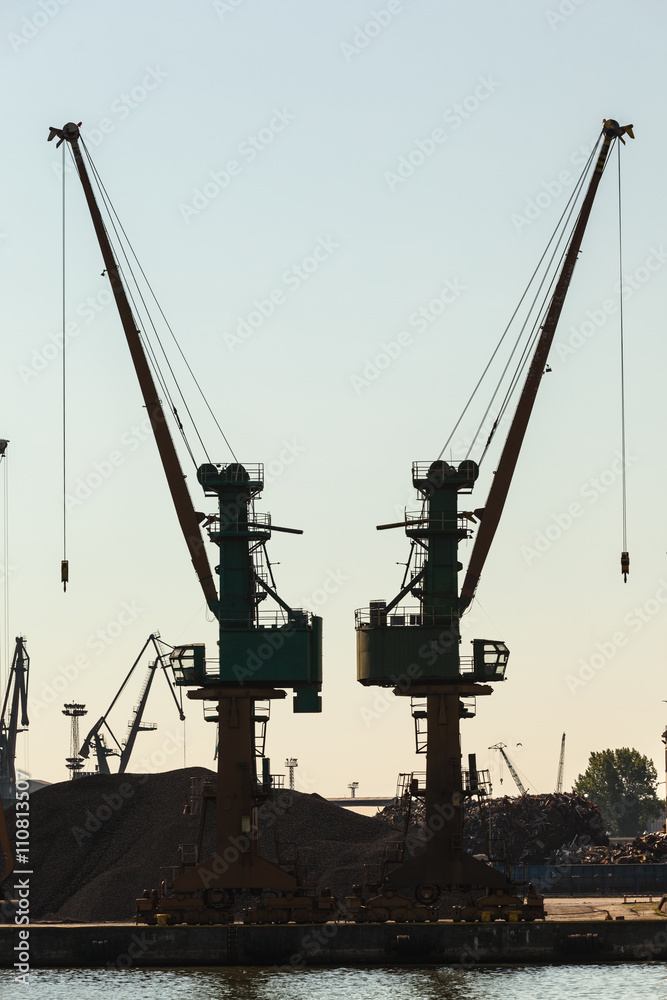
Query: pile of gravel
(98, 842)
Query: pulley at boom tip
(69, 131)
(612, 128)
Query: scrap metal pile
(650, 849)
(529, 829)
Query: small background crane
(14, 719)
(510, 765)
(561, 766)
(95, 739)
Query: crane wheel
(427, 895)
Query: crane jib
(510, 454)
(185, 511)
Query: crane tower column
(416, 651)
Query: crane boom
(136, 725)
(505, 470)
(561, 766)
(95, 739)
(185, 511)
(102, 721)
(13, 718)
(510, 765)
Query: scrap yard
(226, 864)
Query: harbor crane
(510, 766)
(14, 719)
(415, 649)
(95, 739)
(260, 653)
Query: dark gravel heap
(97, 842)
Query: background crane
(510, 765)
(95, 739)
(561, 766)
(15, 702)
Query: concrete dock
(585, 930)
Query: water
(564, 982)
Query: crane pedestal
(444, 863)
(235, 864)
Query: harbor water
(563, 982)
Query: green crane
(260, 653)
(416, 650)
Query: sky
(298, 180)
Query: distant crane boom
(13, 719)
(95, 739)
(136, 724)
(561, 766)
(510, 765)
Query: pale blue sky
(169, 93)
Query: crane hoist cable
(539, 321)
(161, 311)
(64, 563)
(4, 649)
(118, 228)
(555, 240)
(551, 271)
(625, 555)
(147, 345)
